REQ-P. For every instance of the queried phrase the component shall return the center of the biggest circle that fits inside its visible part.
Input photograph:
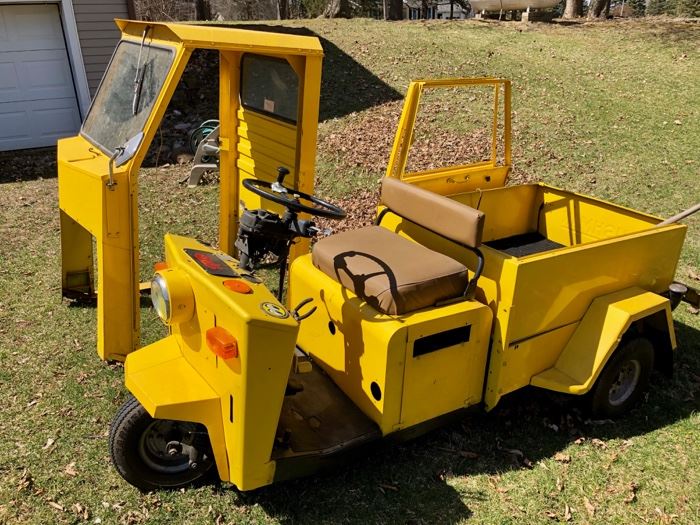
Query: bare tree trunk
(395, 9)
(597, 8)
(424, 9)
(202, 10)
(573, 9)
(282, 9)
(337, 9)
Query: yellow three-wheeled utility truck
(464, 289)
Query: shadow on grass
(346, 85)
(28, 164)
(410, 482)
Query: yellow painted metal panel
(310, 97)
(275, 130)
(278, 147)
(77, 261)
(537, 294)
(451, 378)
(596, 338)
(356, 346)
(521, 203)
(251, 387)
(523, 359)
(572, 219)
(106, 214)
(352, 342)
(229, 38)
(261, 165)
(457, 179)
(186, 396)
(229, 79)
(279, 154)
(555, 288)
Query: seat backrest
(442, 215)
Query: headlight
(160, 297)
(172, 296)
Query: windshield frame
(171, 49)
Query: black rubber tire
(633, 352)
(126, 450)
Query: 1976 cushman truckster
(463, 291)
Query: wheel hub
(625, 383)
(167, 446)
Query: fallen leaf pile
(361, 209)
(366, 140)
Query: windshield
(127, 94)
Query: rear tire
(156, 454)
(623, 380)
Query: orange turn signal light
(160, 266)
(222, 343)
(237, 286)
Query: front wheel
(156, 454)
(623, 380)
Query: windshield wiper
(138, 79)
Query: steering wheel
(291, 198)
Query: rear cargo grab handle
(681, 215)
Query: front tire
(623, 380)
(156, 454)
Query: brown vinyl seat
(392, 273)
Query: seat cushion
(391, 273)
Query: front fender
(597, 336)
(168, 387)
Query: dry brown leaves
(590, 508)
(632, 494)
(383, 487)
(562, 458)
(440, 149)
(366, 140)
(361, 209)
(517, 456)
(70, 469)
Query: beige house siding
(98, 34)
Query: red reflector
(160, 266)
(222, 343)
(237, 286)
(208, 260)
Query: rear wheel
(624, 379)
(158, 453)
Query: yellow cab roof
(230, 38)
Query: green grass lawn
(609, 109)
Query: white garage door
(37, 99)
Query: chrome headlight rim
(160, 298)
